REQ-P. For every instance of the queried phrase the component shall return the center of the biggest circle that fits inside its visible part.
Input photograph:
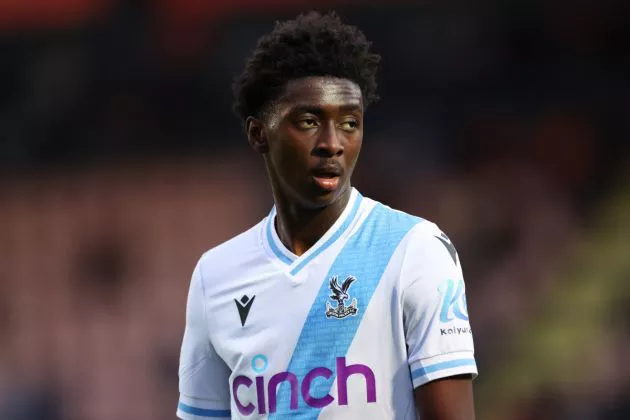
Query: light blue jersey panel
(322, 340)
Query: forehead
(321, 91)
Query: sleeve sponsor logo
(453, 301)
(455, 331)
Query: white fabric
(410, 328)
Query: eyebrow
(317, 110)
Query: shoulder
(430, 257)
(425, 241)
(234, 254)
(418, 230)
(381, 218)
(428, 235)
(425, 246)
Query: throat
(299, 229)
(300, 235)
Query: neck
(299, 227)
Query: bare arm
(446, 399)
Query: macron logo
(449, 246)
(243, 306)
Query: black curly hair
(313, 44)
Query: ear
(256, 135)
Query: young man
(334, 306)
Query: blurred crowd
(121, 163)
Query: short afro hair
(313, 44)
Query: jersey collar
(292, 262)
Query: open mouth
(326, 177)
(326, 181)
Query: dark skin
(446, 399)
(316, 124)
(310, 138)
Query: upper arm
(446, 399)
(203, 375)
(435, 317)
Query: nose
(328, 143)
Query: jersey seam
(194, 367)
(205, 400)
(422, 359)
(205, 311)
(199, 398)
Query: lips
(327, 171)
(327, 177)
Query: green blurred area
(566, 346)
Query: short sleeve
(203, 375)
(435, 315)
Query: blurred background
(120, 163)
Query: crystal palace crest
(340, 294)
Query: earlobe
(256, 135)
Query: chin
(322, 198)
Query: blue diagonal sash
(322, 340)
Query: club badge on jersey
(340, 294)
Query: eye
(307, 123)
(349, 125)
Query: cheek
(353, 150)
(290, 156)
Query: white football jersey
(345, 331)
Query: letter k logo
(243, 307)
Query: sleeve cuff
(442, 366)
(195, 409)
